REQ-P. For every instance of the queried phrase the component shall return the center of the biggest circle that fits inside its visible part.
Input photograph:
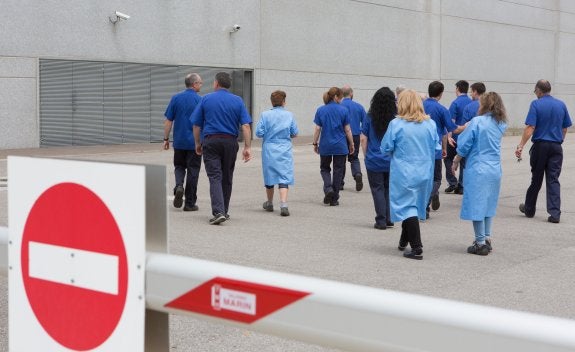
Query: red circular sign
(70, 215)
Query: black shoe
(522, 209)
(268, 206)
(218, 219)
(450, 189)
(178, 196)
(414, 253)
(435, 202)
(458, 190)
(328, 198)
(553, 220)
(191, 208)
(401, 246)
(379, 227)
(284, 211)
(358, 182)
(488, 244)
(389, 224)
(479, 249)
(334, 203)
(427, 215)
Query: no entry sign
(77, 256)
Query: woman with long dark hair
(381, 111)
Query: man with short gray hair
(187, 163)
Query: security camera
(235, 28)
(123, 16)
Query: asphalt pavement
(531, 268)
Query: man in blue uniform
(187, 163)
(356, 117)
(444, 124)
(546, 124)
(470, 111)
(216, 120)
(456, 112)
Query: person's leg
(488, 221)
(479, 229)
(448, 161)
(460, 180)
(283, 190)
(355, 165)
(389, 223)
(537, 159)
(194, 164)
(180, 165)
(376, 185)
(325, 171)
(338, 166)
(414, 236)
(552, 172)
(269, 204)
(211, 152)
(230, 152)
(436, 184)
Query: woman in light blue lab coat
(480, 145)
(411, 138)
(277, 127)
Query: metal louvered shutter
(90, 103)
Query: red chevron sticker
(235, 300)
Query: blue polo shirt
(470, 111)
(356, 115)
(179, 111)
(442, 118)
(456, 110)
(332, 118)
(220, 112)
(550, 117)
(375, 160)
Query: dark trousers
(410, 233)
(329, 179)
(187, 165)
(220, 160)
(379, 185)
(353, 160)
(448, 161)
(546, 159)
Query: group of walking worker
(405, 139)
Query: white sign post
(77, 255)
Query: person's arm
(455, 164)
(527, 133)
(316, 133)
(444, 145)
(167, 129)
(564, 133)
(197, 133)
(247, 152)
(349, 139)
(363, 143)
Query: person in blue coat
(277, 127)
(480, 144)
(412, 140)
(381, 111)
(333, 141)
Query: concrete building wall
(302, 47)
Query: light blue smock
(412, 146)
(276, 127)
(480, 144)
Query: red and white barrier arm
(340, 315)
